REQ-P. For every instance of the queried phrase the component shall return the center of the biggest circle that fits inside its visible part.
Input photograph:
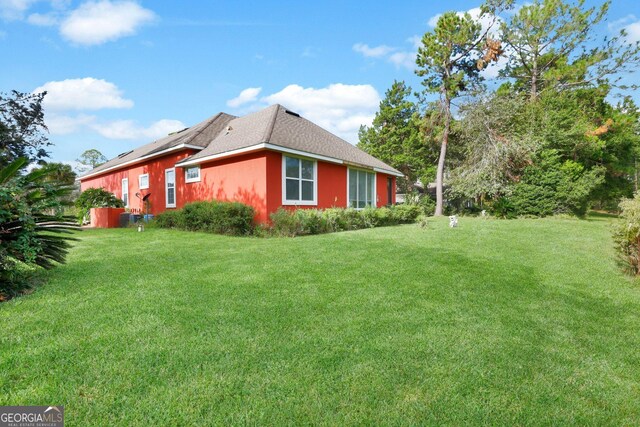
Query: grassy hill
(500, 322)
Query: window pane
(307, 190)
(193, 173)
(293, 189)
(353, 188)
(292, 167)
(370, 189)
(362, 189)
(171, 196)
(307, 169)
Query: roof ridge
(195, 134)
(269, 132)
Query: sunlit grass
(495, 322)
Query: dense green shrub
(627, 233)
(551, 186)
(301, 222)
(428, 205)
(503, 208)
(231, 218)
(168, 219)
(95, 198)
(405, 214)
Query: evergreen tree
(447, 59)
(395, 136)
(551, 44)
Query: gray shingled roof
(274, 125)
(199, 135)
(277, 126)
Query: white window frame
(287, 202)
(374, 200)
(189, 180)
(125, 186)
(166, 188)
(140, 181)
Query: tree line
(555, 134)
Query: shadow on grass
(601, 216)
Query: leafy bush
(168, 219)
(31, 237)
(405, 214)
(428, 205)
(95, 198)
(552, 186)
(627, 233)
(301, 222)
(230, 218)
(503, 208)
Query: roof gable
(281, 128)
(197, 137)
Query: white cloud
(433, 21)
(14, 9)
(404, 59)
(415, 40)
(43, 20)
(633, 32)
(60, 124)
(64, 125)
(630, 24)
(373, 52)
(83, 94)
(97, 22)
(129, 129)
(400, 58)
(339, 108)
(248, 95)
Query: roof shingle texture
(198, 135)
(277, 126)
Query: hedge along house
(267, 159)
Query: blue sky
(122, 73)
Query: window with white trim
(299, 181)
(170, 187)
(125, 192)
(192, 174)
(361, 189)
(143, 181)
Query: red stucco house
(267, 159)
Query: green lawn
(526, 322)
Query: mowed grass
(524, 322)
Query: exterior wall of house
(254, 179)
(239, 179)
(332, 185)
(112, 181)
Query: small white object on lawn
(453, 221)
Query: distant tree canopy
(92, 158)
(22, 128)
(548, 139)
(59, 172)
(396, 136)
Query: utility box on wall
(105, 217)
